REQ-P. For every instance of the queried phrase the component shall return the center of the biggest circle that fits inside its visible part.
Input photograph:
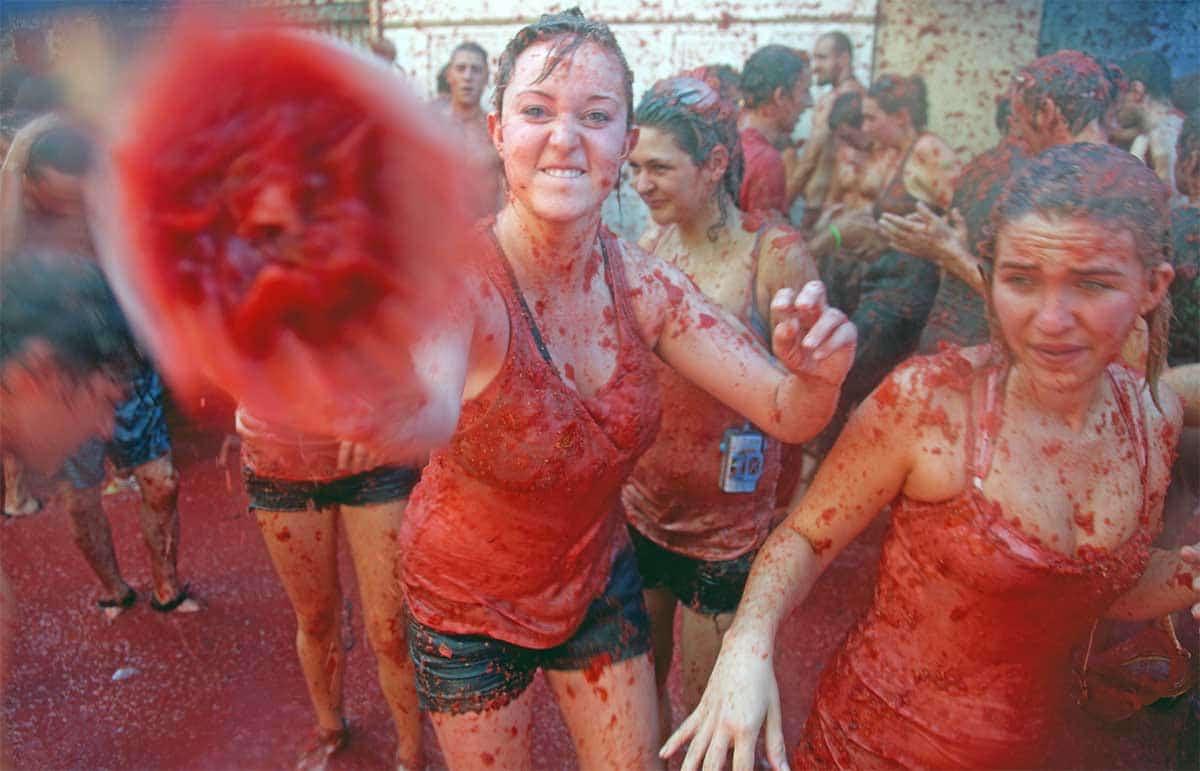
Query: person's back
(775, 92)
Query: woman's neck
(547, 255)
(1071, 406)
(693, 232)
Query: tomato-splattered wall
(967, 50)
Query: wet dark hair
(894, 93)
(568, 29)
(443, 85)
(1185, 92)
(841, 42)
(770, 68)
(1152, 70)
(698, 119)
(471, 46)
(846, 111)
(67, 304)
(1105, 185)
(722, 78)
(1003, 113)
(62, 148)
(1081, 87)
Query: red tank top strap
(614, 264)
(983, 421)
(757, 323)
(1125, 390)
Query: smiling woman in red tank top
(515, 551)
(1026, 479)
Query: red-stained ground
(222, 689)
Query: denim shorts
(706, 587)
(457, 674)
(379, 485)
(139, 434)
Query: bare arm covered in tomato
(813, 343)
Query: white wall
(659, 38)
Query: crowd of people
(635, 427)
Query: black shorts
(710, 588)
(457, 674)
(379, 485)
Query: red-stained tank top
(964, 659)
(511, 531)
(674, 496)
(895, 198)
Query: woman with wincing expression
(1025, 479)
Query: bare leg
(660, 606)
(303, 548)
(499, 738)
(159, 484)
(93, 536)
(613, 718)
(700, 642)
(371, 531)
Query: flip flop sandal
(124, 602)
(171, 604)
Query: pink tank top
(511, 531)
(964, 659)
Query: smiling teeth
(564, 173)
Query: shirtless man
(467, 76)
(776, 90)
(43, 215)
(1146, 113)
(809, 167)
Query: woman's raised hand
(741, 695)
(812, 338)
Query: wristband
(837, 235)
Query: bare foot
(327, 743)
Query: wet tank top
(674, 496)
(895, 198)
(511, 531)
(964, 659)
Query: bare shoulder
(653, 286)
(933, 148)
(931, 394)
(1165, 417)
(784, 259)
